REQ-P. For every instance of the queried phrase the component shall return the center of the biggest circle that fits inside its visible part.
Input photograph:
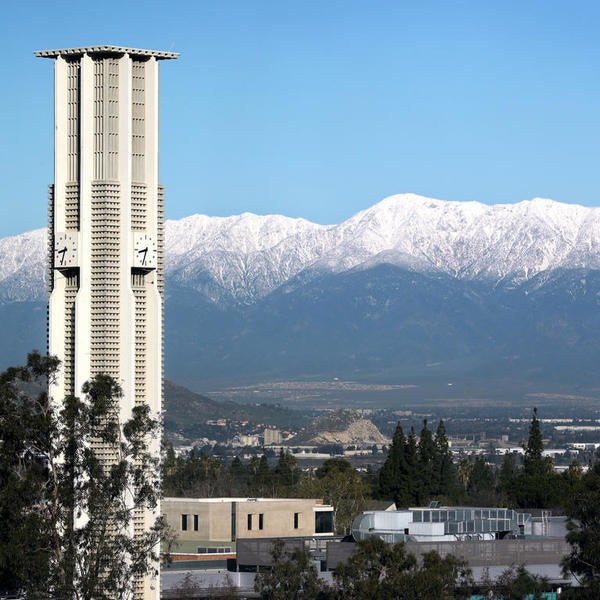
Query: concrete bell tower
(105, 235)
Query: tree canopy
(67, 512)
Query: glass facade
(465, 520)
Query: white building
(440, 524)
(106, 231)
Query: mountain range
(409, 288)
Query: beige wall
(277, 520)
(214, 517)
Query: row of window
(252, 523)
(261, 521)
(213, 549)
(185, 522)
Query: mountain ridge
(243, 258)
(487, 291)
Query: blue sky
(322, 108)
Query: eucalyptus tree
(67, 514)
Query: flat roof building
(213, 523)
(433, 524)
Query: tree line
(421, 469)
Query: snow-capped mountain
(23, 267)
(249, 256)
(245, 257)
(499, 291)
(241, 258)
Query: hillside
(186, 414)
(409, 291)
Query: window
(324, 521)
(296, 520)
(233, 520)
(184, 522)
(260, 520)
(213, 550)
(195, 522)
(249, 522)
(137, 278)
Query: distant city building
(245, 440)
(105, 235)
(272, 436)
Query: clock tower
(105, 235)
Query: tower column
(106, 243)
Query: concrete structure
(487, 558)
(105, 235)
(439, 524)
(213, 523)
(272, 436)
(538, 543)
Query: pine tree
(481, 484)
(426, 455)
(534, 462)
(444, 470)
(508, 477)
(392, 475)
(414, 487)
(538, 485)
(262, 483)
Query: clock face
(144, 251)
(65, 250)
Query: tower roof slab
(106, 50)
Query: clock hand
(144, 252)
(62, 253)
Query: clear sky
(320, 108)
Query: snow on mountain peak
(244, 257)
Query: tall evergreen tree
(427, 454)
(392, 475)
(414, 486)
(508, 478)
(481, 488)
(534, 462)
(537, 485)
(444, 470)
(263, 483)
